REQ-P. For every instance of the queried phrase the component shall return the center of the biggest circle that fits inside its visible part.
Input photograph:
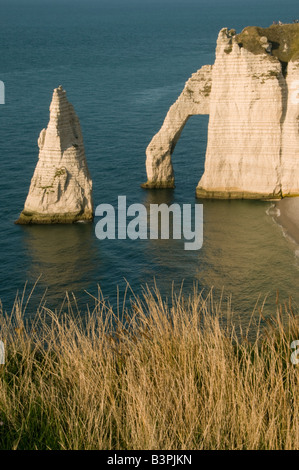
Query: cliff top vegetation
(283, 38)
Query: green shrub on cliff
(284, 39)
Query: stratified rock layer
(193, 100)
(61, 187)
(251, 94)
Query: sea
(123, 63)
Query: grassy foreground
(160, 375)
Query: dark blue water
(123, 63)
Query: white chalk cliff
(194, 99)
(251, 94)
(61, 187)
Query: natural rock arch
(193, 100)
(251, 94)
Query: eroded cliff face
(194, 99)
(244, 133)
(61, 187)
(289, 170)
(251, 95)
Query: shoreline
(288, 217)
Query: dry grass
(159, 375)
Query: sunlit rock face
(193, 100)
(61, 187)
(251, 94)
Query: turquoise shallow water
(123, 64)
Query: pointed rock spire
(61, 187)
